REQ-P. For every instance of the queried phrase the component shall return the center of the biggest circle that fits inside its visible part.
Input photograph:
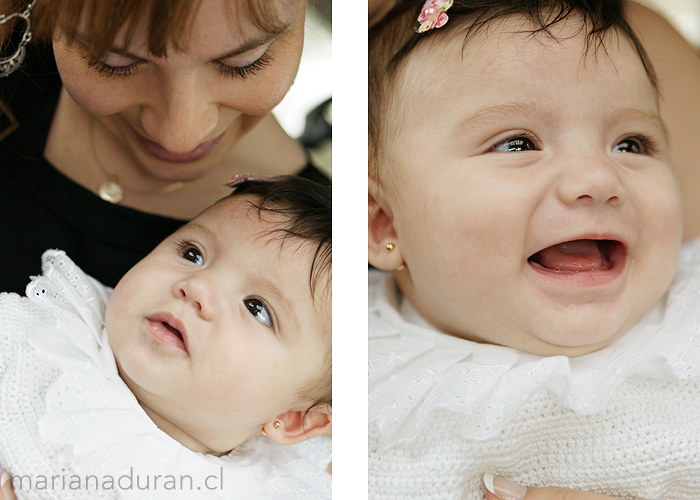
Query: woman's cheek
(259, 94)
(95, 100)
(95, 94)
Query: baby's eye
(190, 252)
(519, 143)
(628, 146)
(259, 310)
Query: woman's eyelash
(108, 71)
(245, 71)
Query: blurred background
(683, 14)
(306, 111)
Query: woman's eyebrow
(245, 46)
(258, 41)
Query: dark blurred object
(324, 9)
(318, 136)
(319, 124)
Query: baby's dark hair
(305, 210)
(393, 38)
(305, 207)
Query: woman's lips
(168, 329)
(163, 154)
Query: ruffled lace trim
(90, 409)
(415, 370)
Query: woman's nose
(591, 179)
(180, 114)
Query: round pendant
(111, 191)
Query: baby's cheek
(666, 211)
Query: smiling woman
(131, 118)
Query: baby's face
(216, 331)
(530, 189)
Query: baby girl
(211, 352)
(521, 194)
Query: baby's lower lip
(197, 153)
(165, 335)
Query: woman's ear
(296, 426)
(384, 251)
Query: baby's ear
(384, 251)
(294, 427)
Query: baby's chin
(586, 339)
(543, 348)
(554, 338)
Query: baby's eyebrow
(200, 228)
(623, 115)
(488, 114)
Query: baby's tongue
(579, 256)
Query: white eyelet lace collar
(415, 370)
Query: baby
(521, 193)
(212, 351)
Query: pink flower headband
(433, 15)
(241, 178)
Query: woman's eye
(247, 70)
(259, 310)
(106, 70)
(193, 255)
(628, 146)
(519, 143)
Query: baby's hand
(6, 492)
(501, 489)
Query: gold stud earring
(390, 246)
(263, 431)
(401, 267)
(277, 424)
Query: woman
(135, 120)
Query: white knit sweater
(624, 421)
(65, 414)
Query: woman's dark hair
(393, 38)
(167, 20)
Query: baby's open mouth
(579, 256)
